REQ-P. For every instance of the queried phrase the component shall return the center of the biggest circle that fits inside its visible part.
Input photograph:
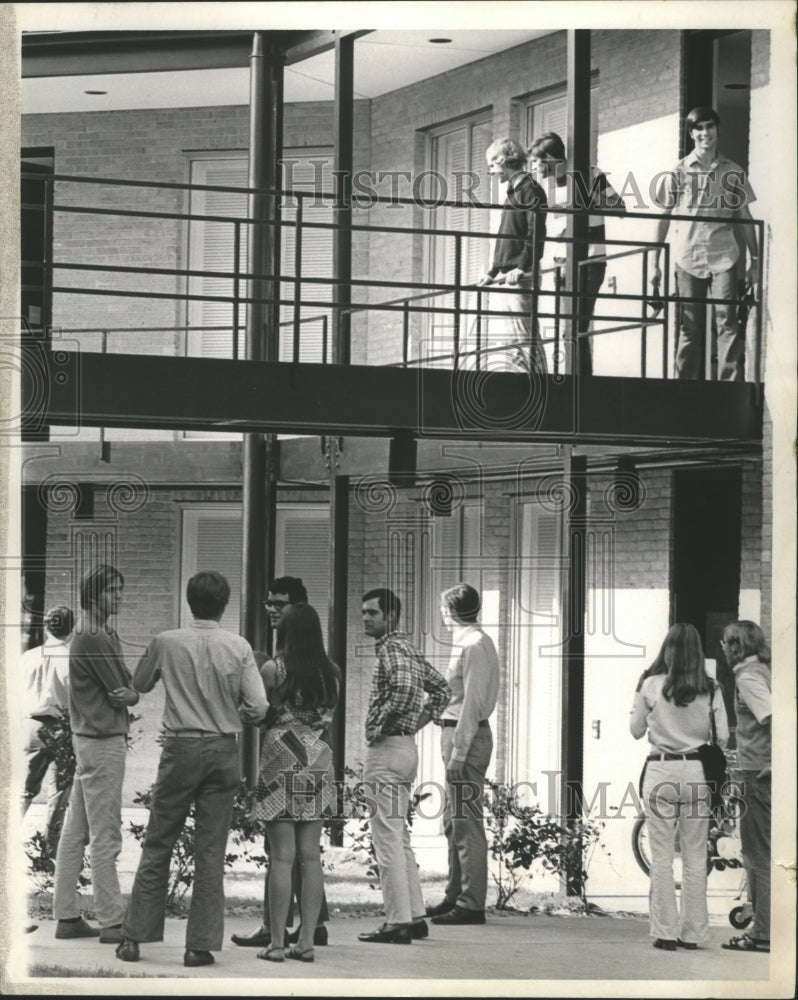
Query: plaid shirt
(401, 679)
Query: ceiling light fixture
(439, 41)
(95, 91)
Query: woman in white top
(673, 702)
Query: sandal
(746, 943)
(270, 954)
(302, 955)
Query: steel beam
(343, 127)
(578, 58)
(338, 603)
(126, 390)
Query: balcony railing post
(666, 309)
(757, 291)
(558, 280)
(324, 322)
(643, 326)
(458, 264)
(297, 274)
(479, 329)
(405, 332)
(236, 287)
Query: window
(549, 113)
(457, 153)
(212, 539)
(211, 245)
(535, 658)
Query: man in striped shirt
(406, 694)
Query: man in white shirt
(466, 748)
(46, 672)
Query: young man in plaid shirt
(406, 694)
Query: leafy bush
(521, 837)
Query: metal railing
(555, 313)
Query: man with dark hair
(518, 249)
(46, 672)
(211, 683)
(406, 694)
(706, 254)
(100, 694)
(466, 748)
(284, 591)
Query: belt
(197, 734)
(674, 756)
(453, 722)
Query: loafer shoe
(436, 911)
(193, 959)
(128, 951)
(260, 938)
(689, 945)
(111, 935)
(419, 930)
(75, 929)
(459, 915)
(320, 936)
(388, 935)
(665, 944)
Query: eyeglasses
(277, 605)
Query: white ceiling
(384, 60)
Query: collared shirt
(676, 728)
(705, 248)
(46, 672)
(400, 681)
(211, 679)
(473, 676)
(96, 667)
(753, 707)
(522, 231)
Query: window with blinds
(212, 539)
(455, 151)
(535, 668)
(549, 113)
(211, 246)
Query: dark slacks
(203, 771)
(755, 838)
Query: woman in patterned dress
(296, 787)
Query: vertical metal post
(405, 332)
(573, 663)
(297, 275)
(338, 605)
(578, 164)
(259, 487)
(342, 213)
(324, 340)
(644, 328)
(479, 329)
(236, 288)
(558, 280)
(458, 265)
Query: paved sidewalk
(510, 947)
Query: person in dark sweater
(519, 247)
(100, 693)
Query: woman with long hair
(673, 703)
(296, 788)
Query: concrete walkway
(526, 952)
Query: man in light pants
(466, 747)
(397, 709)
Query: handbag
(713, 760)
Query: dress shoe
(419, 930)
(128, 951)
(111, 935)
(689, 945)
(320, 935)
(75, 929)
(436, 911)
(192, 959)
(261, 938)
(388, 935)
(665, 945)
(459, 915)
(31, 928)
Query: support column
(338, 605)
(578, 182)
(343, 126)
(573, 666)
(259, 456)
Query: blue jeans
(206, 772)
(692, 323)
(755, 838)
(463, 822)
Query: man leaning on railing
(714, 191)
